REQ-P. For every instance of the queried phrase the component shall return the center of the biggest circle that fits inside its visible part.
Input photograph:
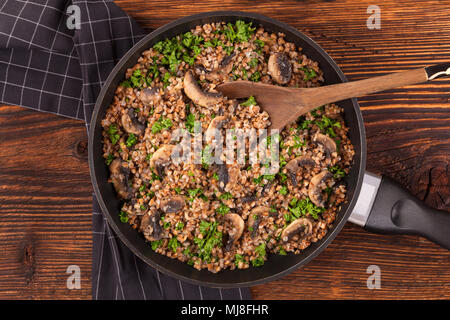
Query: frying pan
(374, 202)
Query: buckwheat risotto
(213, 215)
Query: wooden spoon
(285, 104)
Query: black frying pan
(382, 206)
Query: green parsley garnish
(211, 238)
(109, 159)
(337, 172)
(113, 135)
(301, 208)
(226, 196)
(162, 123)
(173, 244)
(261, 251)
(250, 102)
(156, 244)
(237, 259)
(223, 209)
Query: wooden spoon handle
(337, 92)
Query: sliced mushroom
(149, 96)
(301, 226)
(255, 218)
(120, 174)
(195, 93)
(280, 68)
(131, 123)
(295, 164)
(237, 229)
(329, 145)
(150, 225)
(173, 204)
(161, 158)
(215, 125)
(315, 189)
(225, 67)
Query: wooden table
(45, 190)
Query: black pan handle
(393, 210)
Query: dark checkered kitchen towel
(47, 66)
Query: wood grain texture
(45, 188)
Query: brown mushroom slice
(149, 96)
(195, 93)
(225, 67)
(280, 68)
(301, 226)
(295, 164)
(237, 229)
(120, 174)
(150, 225)
(173, 204)
(161, 158)
(329, 145)
(131, 123)
(315, 190)
(215, 124)
(255, 218)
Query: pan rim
(139, 47)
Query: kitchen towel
(54, 57)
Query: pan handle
(386, 207)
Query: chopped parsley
(190, 122)
(113, 135)
(173, 244)
(223, 209)
(156, 244)
(337, 172)
(179, 225)
(326, 125)
(256, 76)
(238, 259)
(211, 239)
(239, 32)
(253, 63)
(283, 191)
(123, 216)
(131, 140)
(261, 178)
(109, 159)
(193, 193)
(261, 251)
(226, 196)
(309, 73)
(301, 208)
(281, 251)
(162, 123)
